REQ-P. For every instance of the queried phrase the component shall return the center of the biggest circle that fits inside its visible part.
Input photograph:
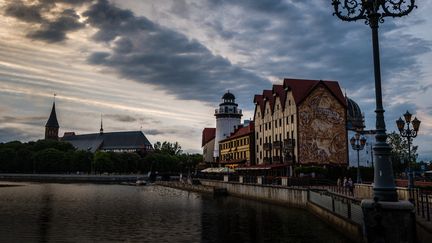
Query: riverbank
(71, 178)
(349, 223)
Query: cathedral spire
(52, 125)
(101, 128)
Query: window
(265, 126)
(287, 120)
(277, 107)
(260, 141)
(289, 102)
(260, 127)
(260, 154)
(280, 122)
(269, 125)
(292, 118)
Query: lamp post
(373, 12)
(409, 134)
(358, 144)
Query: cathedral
(128, 141)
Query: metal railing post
(427, 207)
(422, 205)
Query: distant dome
(355, 118)
(228, 96)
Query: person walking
(351, 186)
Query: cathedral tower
(228, 116)
(52, 126)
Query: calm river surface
(48, 212)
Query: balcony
(289, 159)
(267, 160)
(277, 145)
(267, 146)
(276, 159)
(222, 111)
(289, 143)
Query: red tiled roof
(302, 87)
(207, 135)
(242, 131)
(279, 91)
(259, 102)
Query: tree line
(49, 156)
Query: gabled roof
(111, 140)
(259, 102)
(208, 134)
(240, 132)
(301, 88)
(52, 120)
(279, 91)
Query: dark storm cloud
(55, 31)
(48, 30)
(23, 12)
(147, 52)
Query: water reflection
(100, 213)
(45, 213)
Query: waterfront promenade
(335, 206)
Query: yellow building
(238, 149)
(301, 122)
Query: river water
(49, 212)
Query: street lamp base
(386, 194)
(388, 221)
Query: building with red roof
(208, 143)
(301, 122)
(238, 148)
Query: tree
(102, 162)
(399, 152)
(168, 148)
(50, 160)
(81, 161)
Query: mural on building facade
(321, 129)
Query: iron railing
(422, 200)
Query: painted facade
(301, 122)
(322, 129)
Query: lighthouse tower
(228, 116)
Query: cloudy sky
(162, 65)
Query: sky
(162, 66)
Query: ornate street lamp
(409, 134)
(373, 12)
(358, 144)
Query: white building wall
(224, 127)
